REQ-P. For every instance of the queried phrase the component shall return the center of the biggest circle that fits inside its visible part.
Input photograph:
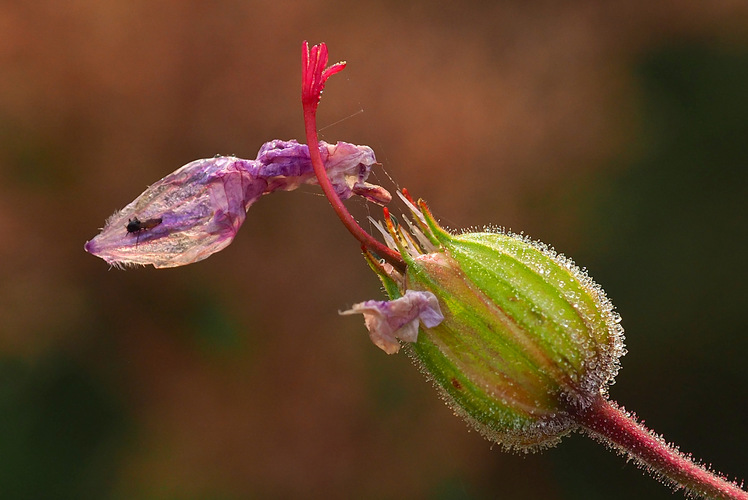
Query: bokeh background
(616, 131)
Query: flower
(197, 210)
(519, 340)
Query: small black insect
(136, 225)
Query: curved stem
(605, 421)
(314, 75)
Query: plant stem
(605, 421)
(314, 75)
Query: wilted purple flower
(388, 320)
(197, 210)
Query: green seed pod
(527, 340)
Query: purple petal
(197, 210)
(389, 320)
(201, 206)
(286, 165)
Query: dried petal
(201, 207)
(287, 164)
(197, 210)
(388, 320)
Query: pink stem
(313, 82)
(610, 424)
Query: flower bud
(527, 337)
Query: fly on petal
(200, 207)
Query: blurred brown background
(615, 131)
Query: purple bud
(388, 319)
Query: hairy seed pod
(527, 339)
